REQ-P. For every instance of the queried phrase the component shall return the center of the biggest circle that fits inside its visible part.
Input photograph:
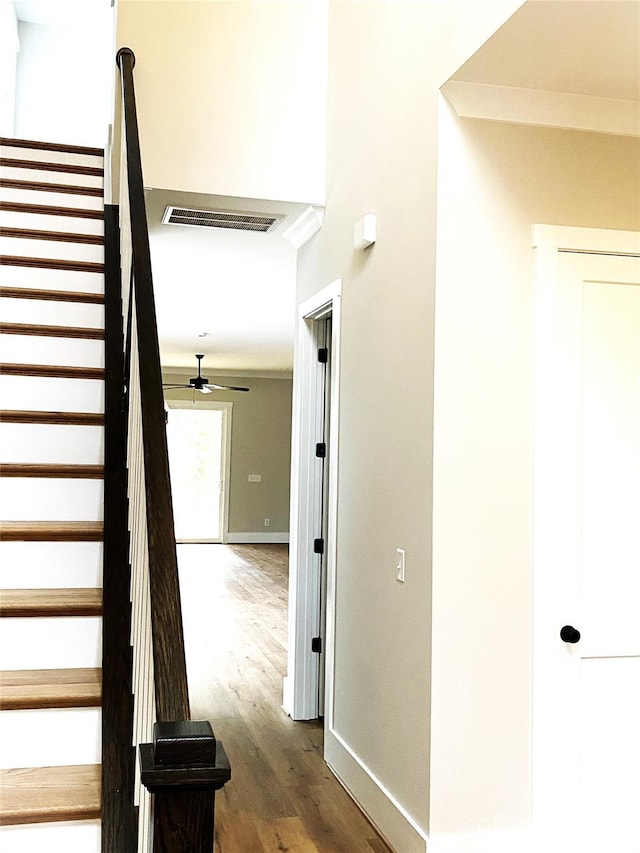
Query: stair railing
(181, 762)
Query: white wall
(495, 182)
(64, 80)
(8, 55)
(230, 96)
(385, 65)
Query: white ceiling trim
(544, 108)
(304, 227)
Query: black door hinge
(316, 645)
(318, 546)
(321, 450)
(323, 355)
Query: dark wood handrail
(170, 672)
(185, 764)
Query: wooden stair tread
(51, 264)
(16, 416)
(51, 146)
(43, 166)
(50, 210)
(53, 236)
(50, 688)
(77, 332)
(53, 371)
(51, 602)
(43, 794)
(47, 187)
(51, 531)
(55, 470)
(51, 295)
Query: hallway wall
(386, 63)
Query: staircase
(51, 493)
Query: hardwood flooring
(282, 797)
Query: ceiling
(227, 294)
(585, 47)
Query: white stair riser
(51, 176)
(56, 199)
(40, 443)
(26, 248)
(38, 349)
(50, 565)
(13, 276)
(17, 152)
(35, 393)
(52, 313)
(54, 642)
(61, 837)
(51, 222)
(29, 499)
(50, 737)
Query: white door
(587, 555)
(197, 440)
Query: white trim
(257, 538)
(544, 108)
(300, 694)
(227, 413)
(569, 239)
(393, 822)
(304, 227)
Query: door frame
(225, 465)
(300, 686)
(552, 673)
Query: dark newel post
(183, 768)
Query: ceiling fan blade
(205, 389)
(226, 387)
(176, 386)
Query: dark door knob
(569, 634)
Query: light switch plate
(255, 478)
(400, 564)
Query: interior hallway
(282, 797)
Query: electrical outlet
(267, 522)
(255, 478)
(400, 563)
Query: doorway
(586, 743)
(198, 439)
(308, 685)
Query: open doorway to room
(199, 438)
(308, 686)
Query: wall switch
(400, 564)
(267, 522)
(255, 478)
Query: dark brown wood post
(183, 768)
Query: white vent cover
(230, 219)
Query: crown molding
(304, 227)
(544, 108)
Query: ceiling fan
(201, 383)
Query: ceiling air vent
(233, 220)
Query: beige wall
(437, 714)
(385, 64)
(230, 95)
(495, 182)
(260, 444)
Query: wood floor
(282, 798)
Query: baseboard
(391, 820)
(257, 538)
